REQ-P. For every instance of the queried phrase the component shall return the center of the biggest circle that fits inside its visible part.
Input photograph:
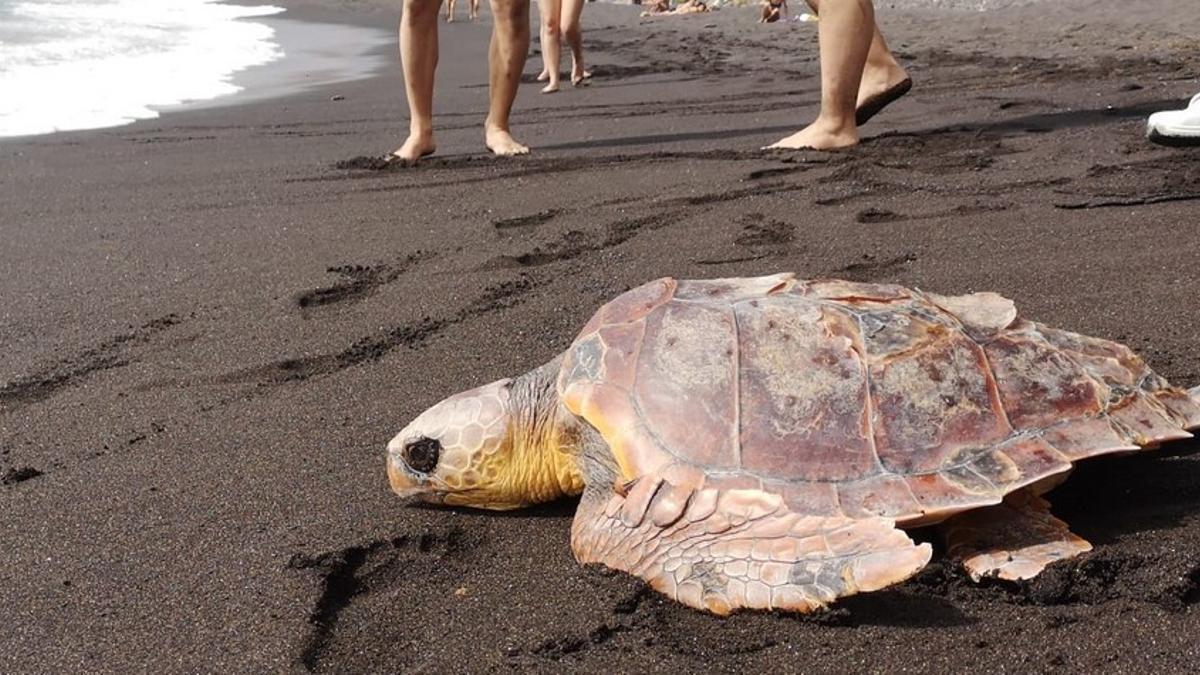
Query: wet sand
(214, 321)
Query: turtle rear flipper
(1013, 540)
(722, 550)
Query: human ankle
(886, 72)
(836, 124)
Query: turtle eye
(422, 454)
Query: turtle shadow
(1108, 497)
(897, 608)
(563, 508)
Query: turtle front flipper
(722, 550)
(1013, 540)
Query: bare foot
(502, 143)
(416, 146)
(579, 75)
(819, 135)
(550, 88)
(449, 19)
(543, 76)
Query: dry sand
(210, 330)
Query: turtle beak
(402, 483)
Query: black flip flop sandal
(873, 105)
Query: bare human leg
(419, 57)
(883, 76)
(551, 17)
(844, 33)
(572, 31)
(474, 14)
(506, 60)
(450, 11)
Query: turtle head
(454, 452)
(489, 447)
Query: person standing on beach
(419, 57)
(472, 10)
(859, 75)
(560, 20)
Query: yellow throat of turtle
(542, 465)
(503, 445)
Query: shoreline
(317, 54)
(211, 331)
(318, 51)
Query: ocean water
(85, 64)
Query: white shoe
(1176, 127)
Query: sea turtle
(757, 443)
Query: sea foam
(85, 64)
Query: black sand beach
(214, 321)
